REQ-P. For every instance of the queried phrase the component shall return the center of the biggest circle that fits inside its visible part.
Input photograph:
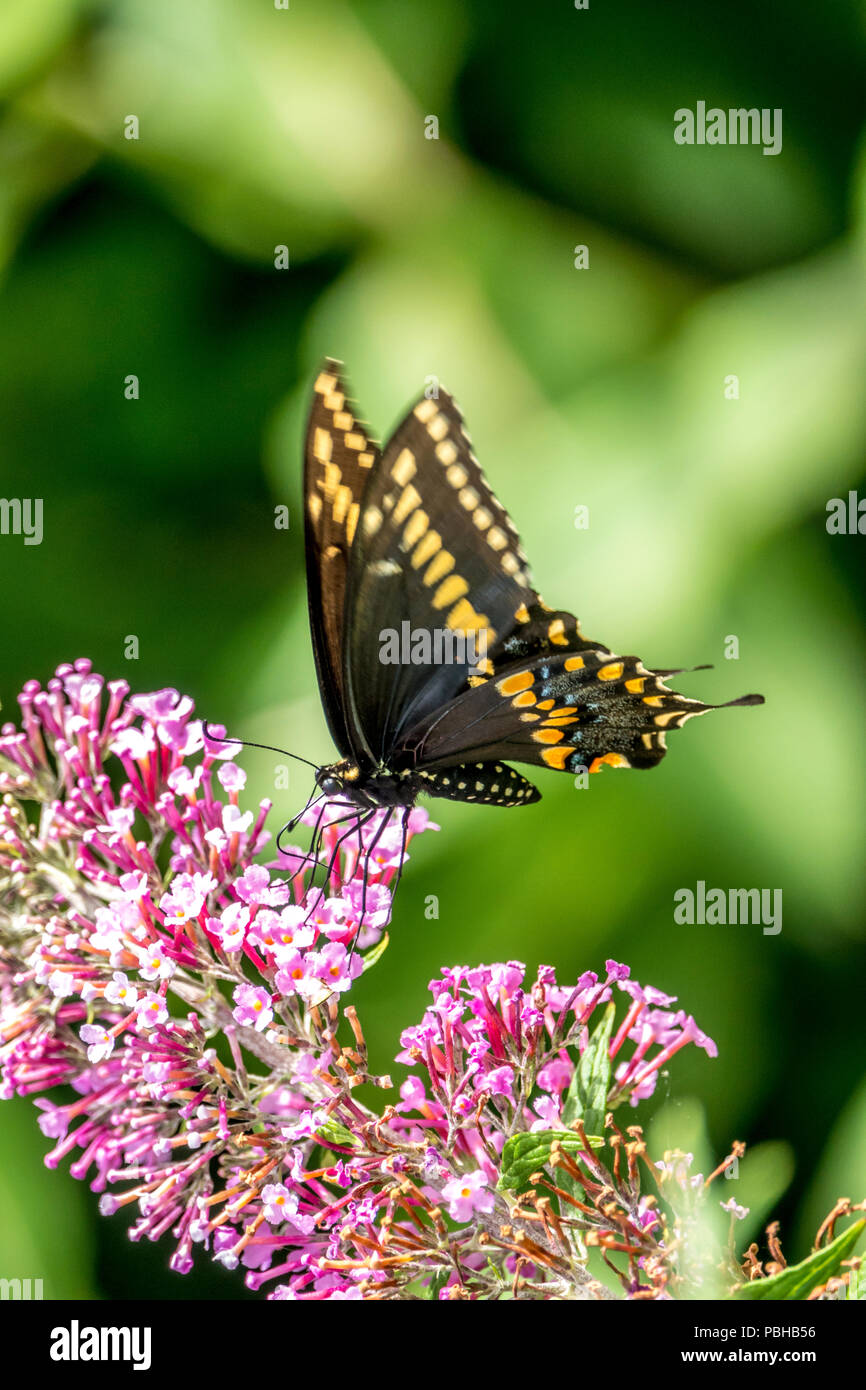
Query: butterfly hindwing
(339, 456)
(563, 710)
(435, 557)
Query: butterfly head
(338, 778)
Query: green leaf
(798, 1281)
(587, 1094)
(376, 952)
(332, 1132)
(439, 1280)
(524, 1154)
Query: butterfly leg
(404, 836)
(358, 821)
(379, 832)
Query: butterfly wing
(339, 456)
(563, 709)
(435, 557)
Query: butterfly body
(410, 538)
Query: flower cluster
(177, 1009)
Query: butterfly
(438, 662)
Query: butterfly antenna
(247, 743)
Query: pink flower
(231, 777)
(284, 933)
(294, 969)
(120, 991)
(499, 1081)
(230, 929)
(252, 1007)
(335, 967)
(99, 1040)
(183, 902)
(150, 1010)
(467, 1194)
(279, 1203)
(154, 964)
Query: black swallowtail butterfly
(410, 556)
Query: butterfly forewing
(436, 551)
(339, 456)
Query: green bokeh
(602, 387)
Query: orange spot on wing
(609, 760)
(574, 663)
(611, 672)
(557, 757)
(512, 685)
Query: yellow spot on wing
(652, 700)
(372, 521)
(556, 633)
(415, 528)
(438, 567)
(524, 700)
(522, 616)
(424, 409)
(463, 618)
(450, 590)
(426, 549)
(664, 719)
(325, 383)
(409, 500)
(446, 452)
(548, 736)
(342, 502)
(331, 481)
(404, 469)
(574, 663)
(636, 686)
(322, 443)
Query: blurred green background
(602, 387)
